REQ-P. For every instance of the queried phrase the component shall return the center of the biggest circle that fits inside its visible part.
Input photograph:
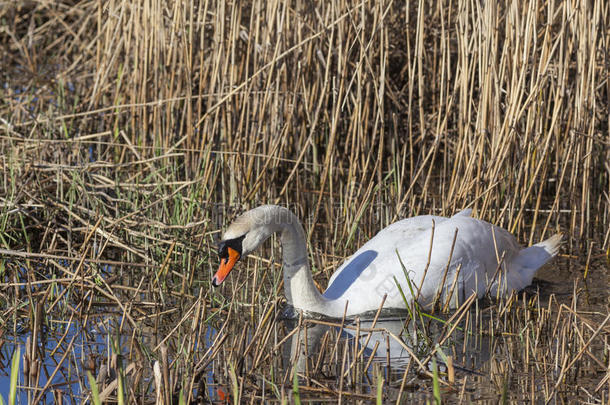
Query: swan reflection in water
(390, 342)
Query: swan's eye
(235, 244)
(223, 252)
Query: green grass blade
(415, 304)
(234, 384)
(95, 394)
(295, 389)
(12, 395)
(380, 382)
(404, 299)
(181, 400)
(436, 390)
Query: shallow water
(486, 348)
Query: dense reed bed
(132, 131)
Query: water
(488, 350)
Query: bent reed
(131, 132)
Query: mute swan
(363, 280)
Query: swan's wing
(406, 228)
(463, 213)
(374, 269)
(374, 264)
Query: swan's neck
(299, 287)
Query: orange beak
(226, 265)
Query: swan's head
(243, 236)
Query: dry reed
(131, 131)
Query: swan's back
(371, 272)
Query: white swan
(369, 274)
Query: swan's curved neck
(299, 287)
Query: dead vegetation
(132, 131)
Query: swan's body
(370, 273)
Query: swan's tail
(534, 257)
